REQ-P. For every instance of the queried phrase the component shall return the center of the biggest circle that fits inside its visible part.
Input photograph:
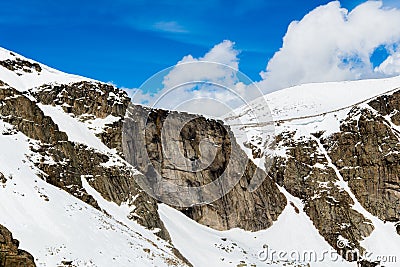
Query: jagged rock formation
(241, 207)
(10, 255)
(364, 155)
(306, 174)
(251, 211)
(367, 155)
(74, 161)
(90, 98)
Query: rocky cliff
(10, 255)
(241, 207)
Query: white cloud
(391, 66)
(328, 44)
(332, 44)
(220, 89)
(223, 53)
(169, 26)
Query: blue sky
(127, 41)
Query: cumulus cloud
(332, 44)
(391, 66)
(223, 53)
(210, 85)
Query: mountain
(336, 149)
(78, 159)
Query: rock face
(149, 136)
(306, 174)
(364, 154)
(71, 161)
(27, 117)
(10, 255)
(241, 208)
(89, 98)
(367, 155)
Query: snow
(85, 133)
(291, 233)
(30, 80)
(76, 130)
(97, 125)
(316, 98)
(283, 235)
(65, 228)
(305, 109)
(384, 240)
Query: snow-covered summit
(313, 99)
(23, 73)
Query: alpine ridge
(69, 193)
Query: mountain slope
(336, 151)
(43, 154)
(68, 193)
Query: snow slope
(292, 240)
(55, 226)
(23, 81)
(306, 109)
(312, 99)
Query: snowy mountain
(336, 146)
(70, 195)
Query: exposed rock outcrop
(89, 98)
(10, 255)
(306, 174)
(366, 152)
(72, 161)
(241, 207)
(28, 118)
(17, 65)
